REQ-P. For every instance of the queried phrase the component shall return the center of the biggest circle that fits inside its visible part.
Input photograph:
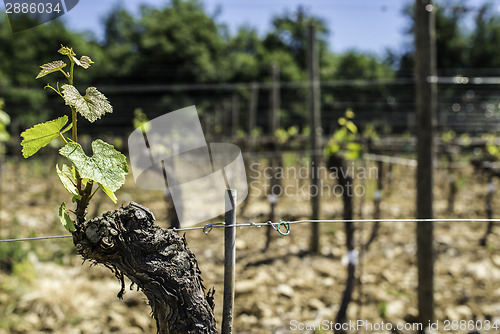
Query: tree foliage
(458, 44)
(289, 33)
(485, 38)
(179, 42)
(356, 65)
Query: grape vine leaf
(68, 179)
(107, 166)
(50, 67)
(41, 135)
(91, 106)
(352, 127)
(65, 219)
(108, 192)
(332, 147)
(66, 51)
(84, 61)
(4, 118)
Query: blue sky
(368, 25)
(365, 25)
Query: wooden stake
(235, 117)
(254, 101)
(315, 126)
(426, 103)
(275, 98)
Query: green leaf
(76, 198)
(354, 151)
(351, 126)
(492, 149)
(349, 113)
(41, 135)
(4, 136)
(293, 131)
(107, 166)
(65, 219)
(91, 106)
(352, 155)
(354, 147)
(4, 118)
(340, 135)
(67, 128)
(68, 179)
(84, 61)
(108, 192)
(64, 50)
(332, 148)
(50, 67)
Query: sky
(365, 25)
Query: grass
(382, 309)
(12, 253)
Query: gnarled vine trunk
(157, 260)
(345, 181)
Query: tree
(451, 37)
(456, 46)
(179, 43)
(244, 51)
(357, 75)
(176, 44)
(289, 34)
(121, 40)
(356, 65)
(485, 39)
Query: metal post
(229, 261)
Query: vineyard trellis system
(282, 227)
(395, 103)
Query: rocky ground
(45, 288)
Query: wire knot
(208, 228)
(277, 227)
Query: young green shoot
(105, 169)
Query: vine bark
(155, 259)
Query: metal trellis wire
(283, 226)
